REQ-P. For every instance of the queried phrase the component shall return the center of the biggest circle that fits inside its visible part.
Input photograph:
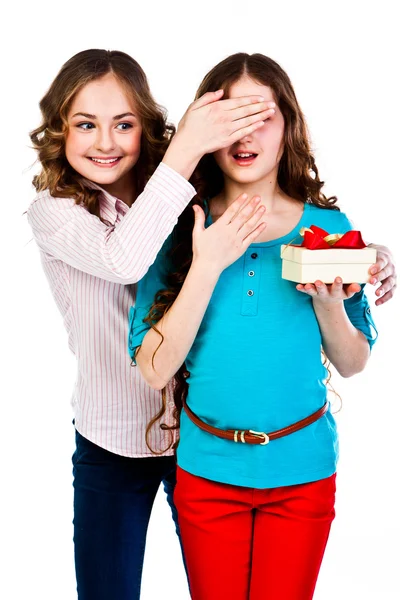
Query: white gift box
(306, 266)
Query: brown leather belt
(248, 436)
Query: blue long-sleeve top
(256, 364)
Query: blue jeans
(113, 498)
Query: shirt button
(250, 293)
(254, 255)
(368, 311)
(251, 273)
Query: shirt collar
(110, 206)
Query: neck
(268, 189)
(124, 189)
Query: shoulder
(163, 262)
(45, 201)
(155, 279)
(333, 221)
(45, 207)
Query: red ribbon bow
(319, 239)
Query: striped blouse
(93, 268)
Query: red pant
(249, 544)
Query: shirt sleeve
(359, 313)
(147, 289)
(121, 253)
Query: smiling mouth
(105, 162)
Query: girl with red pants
(258, 443)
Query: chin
(105, 178)
(247, 177)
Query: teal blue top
(256, 364)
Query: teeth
(103, 161)
(244, 155)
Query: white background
(343, 61)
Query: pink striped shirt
(93, 269)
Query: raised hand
(223, 242)
(210, 124)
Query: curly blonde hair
(49, 138)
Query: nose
(247, 139)
(104, 140)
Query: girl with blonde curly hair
(111, 187)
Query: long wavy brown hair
(297, 177)
(49, 138)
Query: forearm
(345, 346)
(121, 253)
(179, 327)
(181, 157)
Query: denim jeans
(113, 498)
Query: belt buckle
(261, 435)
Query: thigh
(113, 498)
(291, 530)
(216, 522)
(169, 483)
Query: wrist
(206, 270)
(331, 309)
(182, 156)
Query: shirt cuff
(137, 330)
(174, 189)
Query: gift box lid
(303, 256)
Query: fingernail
(379, 292)
(261, 98)
(374, 281)
(373, 271)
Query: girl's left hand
(329, 294)
(383, 272)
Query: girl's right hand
(222, 243)
(210, 124)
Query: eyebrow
(116, 118)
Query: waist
(267, 410)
